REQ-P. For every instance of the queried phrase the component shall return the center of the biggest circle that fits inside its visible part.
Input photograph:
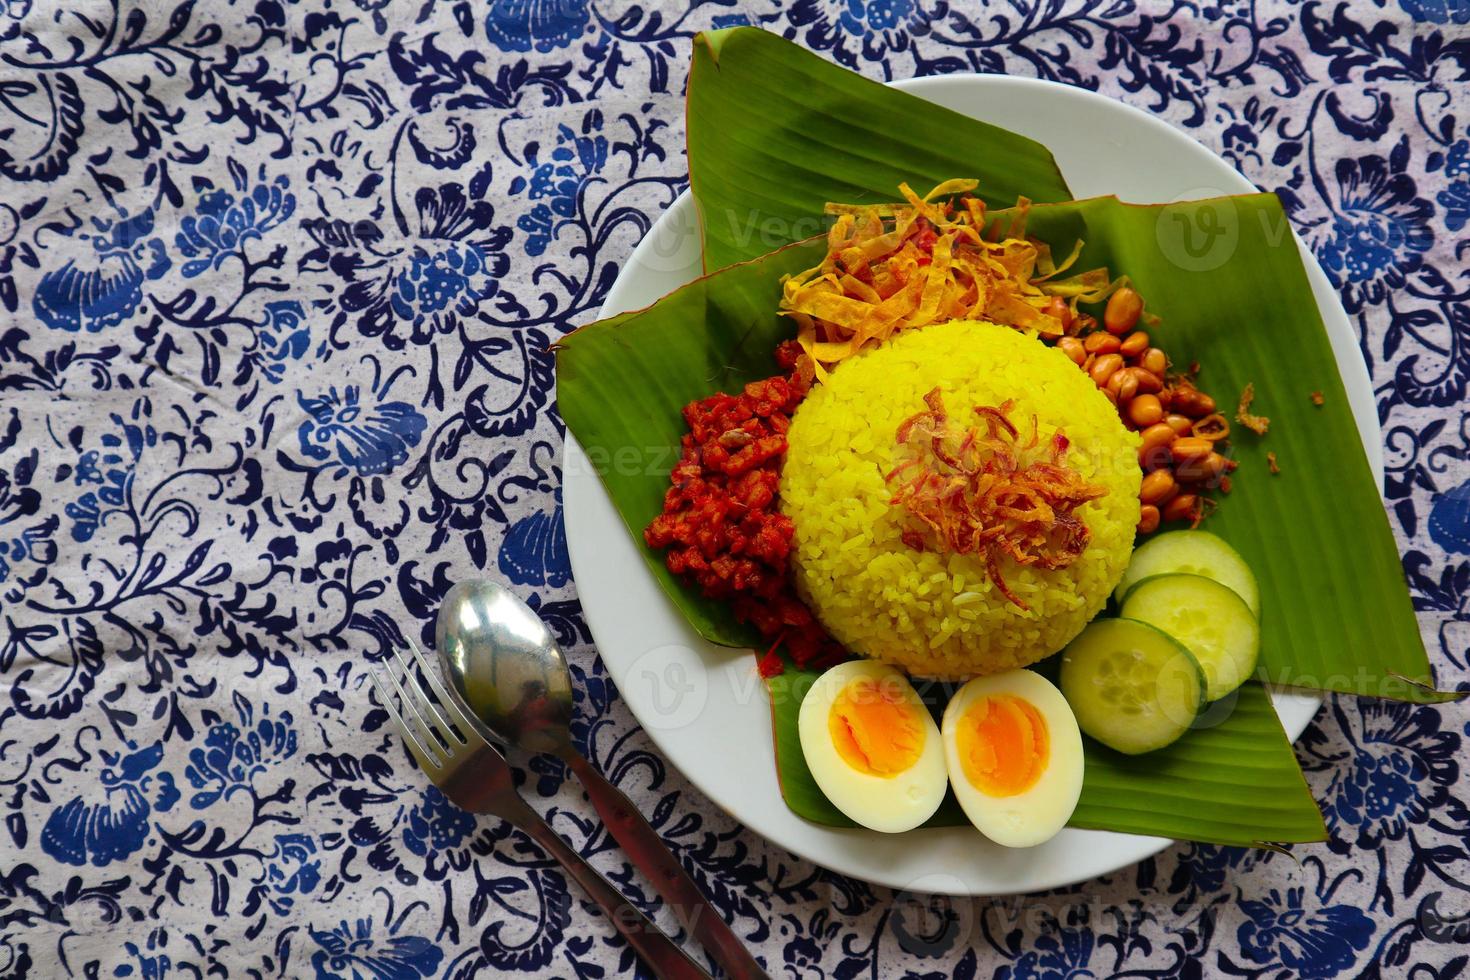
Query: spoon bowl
(505, 664)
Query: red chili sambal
(720, 525)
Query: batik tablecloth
(277, 281)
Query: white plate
(705, 707)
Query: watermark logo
(673, 681)
(1449, 925)
(1198, 235)
(927, 921)
(673, 243)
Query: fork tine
(447, 698)
(413, 708)
(425, 705)
(421, 755)
(407, 712)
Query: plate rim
(580, 478)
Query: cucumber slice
(1132, 687)
(1193, 553)
(1208, 618)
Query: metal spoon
(505, 663)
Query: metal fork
(469, 771)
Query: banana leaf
(1236, 782)
(1226, 277)
(622, 384)
(1338, 615)
(759, 105)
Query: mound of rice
(938, 614)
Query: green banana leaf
(1232, 783)
(1337, 616)
(759, 106)
(622, 384)
(1226, 277)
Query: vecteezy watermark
(9, 224)
(658, 460)
(602, 461)
(1441, 922)
(1199, 230)
(934, 925)
(770, 231)
(928, 921)
(672, 244)
(675, 680)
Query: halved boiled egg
(872, 746)
(1015, 756)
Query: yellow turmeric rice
(930, 612)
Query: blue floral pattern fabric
(277, 286)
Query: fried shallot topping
(986, 490)
(1256, 423)
(931, 259)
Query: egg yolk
(1003, 747)
(875, 728)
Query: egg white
(890, 804)
(1037, 814)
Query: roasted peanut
(1124, 385)
(1144, 410)
(1193, 402)
(1148, 519)
(1182, 507)
(1213, 468)
(1153, 450)
(1059, 309)
(1101, 343)
(1072, 347)
(1190, 448)
(1134, 344)
(1212, 427)
(1154, 360)
(1181, 424)
(1148, 382)
(1159, 434)
(1103, 368)
(1124, 308)
(1158, 487)
(1206, 469)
